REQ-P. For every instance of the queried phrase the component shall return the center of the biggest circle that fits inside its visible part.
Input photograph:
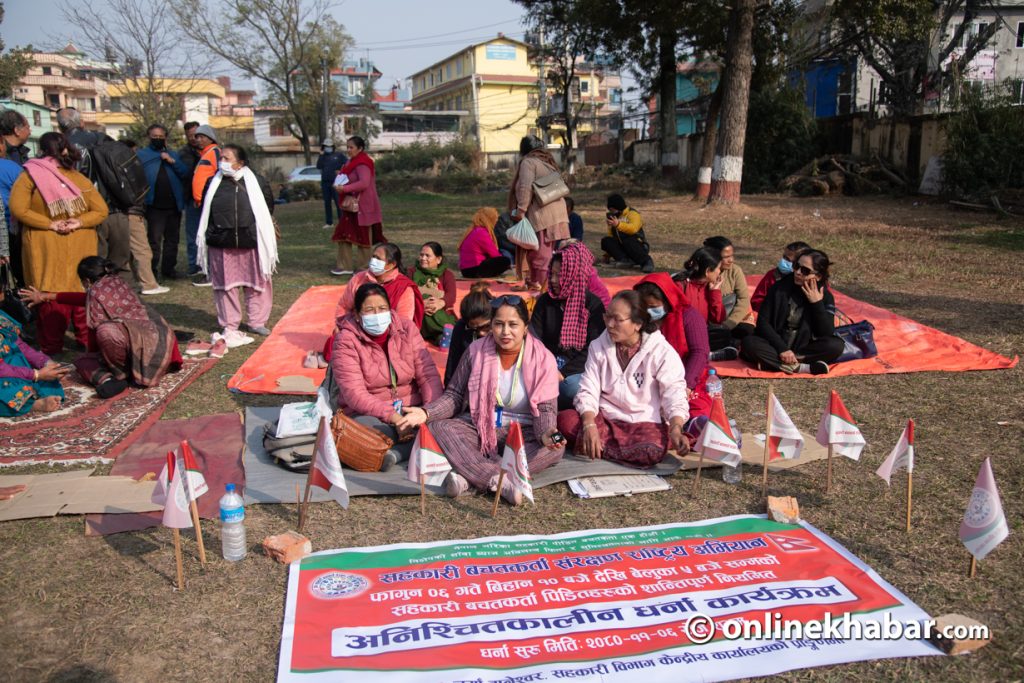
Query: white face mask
(376, 324)
(227, 169)
(656, 313)
(377, 267)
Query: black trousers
(720, 336)
(17, 268)
(626, 248)
(492, 267)
(761, 353)
(163, 226)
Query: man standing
(189, 155)
(164, 201)
(122, 237)
(329, 162)
(206, 168)
(15, 131)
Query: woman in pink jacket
(361, 227)
(631, 406)
(380, 366)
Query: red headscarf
(396, 287)
(672, 323)
(576, 264)
(361, 159)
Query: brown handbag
(350, 203)
(359, 447)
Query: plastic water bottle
(734, 475)
(446, 336)
(714, 383)
(232, 525)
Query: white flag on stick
(170, 492)
(427, 460)
(984, 526)
(513, 462)
(838, 429)
(784, 439)
(717, 441)
(327, 472)
(902, 455)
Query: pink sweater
(477, 248)
(651, 389)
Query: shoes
(218, 349)
(261, 330)
(339, 272)
(728, 353)
(819, 367)
(648, 266)
(202, 281)
(390, 460)
(159, 289)
(510, 493)
(789, 368)
(170, 276)
(314, 360)
(232, 338)
(328, 226)
(624, 264)
(197, 347)
(111, 388)
(455, 485)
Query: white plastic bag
(523, 235)
(297, 419)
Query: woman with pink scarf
(508, 376)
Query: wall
(505, 117)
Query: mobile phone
(66, 366)
(557, 439)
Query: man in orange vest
(206, 168)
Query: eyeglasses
(506, 300)
(805, 271)
(609, 319)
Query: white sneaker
(328, 226)
(234, 339)
(159, 289)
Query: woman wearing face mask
(784, 268)
(684, 330)
(475, 323)
(631, 406)
(133, 343)
(567, 318)
(796, 324)
(359, 225)
(436, 283)
(504, 377)
(58, 209)
(237, 246)
(381, 367)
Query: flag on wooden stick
(170, 492)
(902, 455)
(984, 526)
(717, 441)
(326, 471)
(837, 429)
(426, 460)
(513, 462)
(784, 439)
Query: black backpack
(119, 171)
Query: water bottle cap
(230, 488)
(712, 371)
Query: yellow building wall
(505, 116)
(503, 57)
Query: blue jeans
(567, 390)
(192, 214)
(328, 192)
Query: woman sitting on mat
(385, 269)
(784, 268)
(436, 283)
(478, 249)
(683, 329)
(739, 321)
(505, 377)
(795, 326)
(701, 283)
(633, 385)
(475, 323)
(380, 366)
(134, 343)
(567, 318)
(29, 380)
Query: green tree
(13, 65)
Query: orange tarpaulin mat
(903, 345)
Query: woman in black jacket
(237, 246)
(795, 325)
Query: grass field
(103, 609)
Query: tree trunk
(569, 148)
(707, 153)
(727, 170)
(667, 104)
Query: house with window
(66, 79)
(353, 77)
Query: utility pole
(325, 83)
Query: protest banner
(663, 603)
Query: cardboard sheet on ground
(903, 344)
(74, 493)
(217, 443)
(268, 482)
(643, 604)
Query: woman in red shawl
(685, 330)
(359, 208)
(135, 343)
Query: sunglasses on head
(804, 270)
(506, 300)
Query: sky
(402, 36)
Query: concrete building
(66, 79)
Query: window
(431, 78)
(584, 87)
(1020, 34)
(47, 71)
(53, 101)
(277, 129)
(115, 104)
(615, 95)
(440, 76)
(448, 72)
(458, 102)
(458, 67)
(37, 119)
(532, 100)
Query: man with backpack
(118, 175)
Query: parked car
(300, 173)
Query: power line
(437, 35)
